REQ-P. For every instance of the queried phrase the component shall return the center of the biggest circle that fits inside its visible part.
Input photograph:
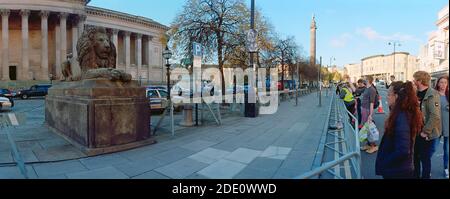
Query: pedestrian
(395, 155)
(346, 95)
(442, 88)
(367, 111)
(392, 80)
(428, 139)
(359, 90)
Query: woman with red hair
(442, 88)
(395, 157)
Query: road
(368, 160)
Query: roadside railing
(345, 145)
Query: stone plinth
(99, 116)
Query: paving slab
(198, 145)
(51, 169)
(151, 175)
(222, 169)
(103, 161)
(182, 168)
(243, 155)
(102, 173)
(209, 155)
(135, 168)
(275, 152)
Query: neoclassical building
(401, 64)
(37, 36)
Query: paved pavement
(279, 146)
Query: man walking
(428, 139)
(367, 110)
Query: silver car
(6, 104)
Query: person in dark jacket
(395, 157)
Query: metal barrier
(345, 145)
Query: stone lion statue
(97, 56)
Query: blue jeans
(423, 152)
(445, 152)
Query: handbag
(374, 134)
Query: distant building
(381, 67)
(353, 71)
(433, 56)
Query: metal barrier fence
(346, 144)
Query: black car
(39, 90)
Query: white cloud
(369, 33)
(341, 41)
(373, 35)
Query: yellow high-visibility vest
(348, 95)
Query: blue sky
(347, 29)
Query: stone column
(313, 30)
(63, 26)
(81, 22)
(57, 70)
(44, 50)
(5, 44)
(24, 73)
(149, 55)
(127, 50)
(75, 37)
(115, 40)
(139, 55)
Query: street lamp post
(250, 108)
(331, 60)
(320, 82)
(395, 44)
(330, 66)
(167, 54)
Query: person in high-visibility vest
(346, 94)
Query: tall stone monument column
(313, 42)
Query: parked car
(288, 84)
(6, 103)
(6, 93)
(39, 90)
(157, 87)
(158, 99)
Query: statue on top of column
(97, 56)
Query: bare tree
(285, 54)
(215, 24)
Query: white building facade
(433, 56)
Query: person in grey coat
(442, 88)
